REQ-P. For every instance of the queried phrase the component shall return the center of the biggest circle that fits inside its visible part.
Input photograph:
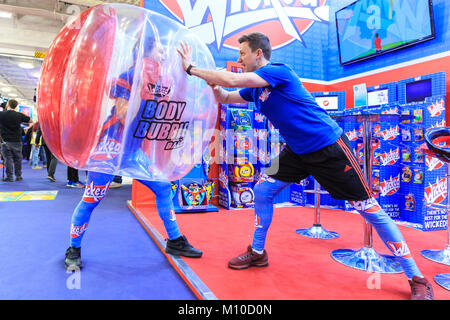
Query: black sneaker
(8, 179)
(19, 178)
(73, 259)
(181, 247)
(51, 178)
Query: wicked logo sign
(437, 192)
(223, 22)
(391, 186)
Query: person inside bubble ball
(97, 184)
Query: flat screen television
(418, 90)
(377, 97)
(368, 28)
(329, 103)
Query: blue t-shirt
(304, 125)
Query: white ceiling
(32, 27)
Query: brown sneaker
(421, 289)
(249, 259)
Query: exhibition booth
(116, 98)
(384, 96)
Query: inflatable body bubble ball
(113, 96)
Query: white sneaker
(114, 185)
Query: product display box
(248, 144)
(404, 179)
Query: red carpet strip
(300, 268)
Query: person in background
(11, 132)
(116, 183)
(51, 159)
(42, 155)
(35, 147)
(27, 147)
(73, 180)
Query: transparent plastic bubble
(113, 96)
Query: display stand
(367, 258)
(317, 231)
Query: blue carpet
(120, 261)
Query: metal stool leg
(317, 231)
(367, 258)
(439, 256)
(443, 279)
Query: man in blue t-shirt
(316, 146)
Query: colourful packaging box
(241, 119)
(389, 187)
(242, 195)
(421, 184)
(434, 111)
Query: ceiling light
(5, 89)
(36, 74)
(12, 95)
(6, 15)
(26, 65)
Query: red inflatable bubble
(113, 96)
(90, 64)
(51, 82)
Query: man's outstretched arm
(217, 78)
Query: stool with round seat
(437, 144)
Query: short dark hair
(12, 103)
(257, 40)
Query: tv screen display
(367, 28)
(377, 97)
(418, 90)
(328, 102)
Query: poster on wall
(27, 110)
(360, 95)
(290, 26)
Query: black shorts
(334, 167)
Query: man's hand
(186, 55)
(213, 86)
(121, 109)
